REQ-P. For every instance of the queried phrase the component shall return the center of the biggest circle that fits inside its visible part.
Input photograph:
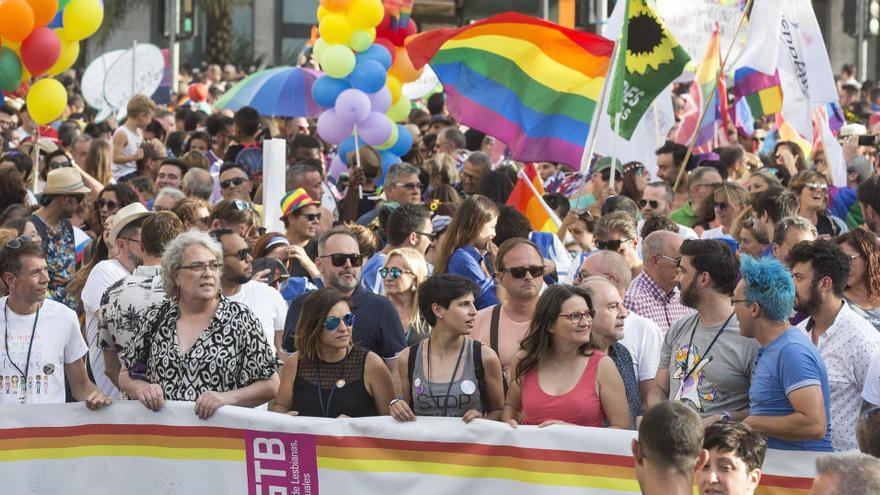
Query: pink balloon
(332, 128)
(40, 50)
(375, 129)
(380, 100)
(353, 106)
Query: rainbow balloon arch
(362, 51)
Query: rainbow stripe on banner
(532, 84)
(255, 452)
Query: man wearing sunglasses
(407, 226)
(401, 185)
(702, 182)
(602, 187)
(235, 182)
(236, 284)
(657, 201)
(378, 326)
(617, 232)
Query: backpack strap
(493, 328)
(480, 373)
(411, 364)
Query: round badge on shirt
(468, 387)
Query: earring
(413, 287)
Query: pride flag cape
(530, 83)
(528, 198)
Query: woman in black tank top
(328, 376)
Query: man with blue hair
(789, 393)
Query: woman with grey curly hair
(198, 345)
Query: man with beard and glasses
(845, 340)
(705, 362)
(265, 302)
(378, 327)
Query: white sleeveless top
(133, 142)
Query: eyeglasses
(611, 245)
(606, 176)
(241, 204)
(394, 271)
(720, 206)
(654, 203)
(332, 323)
(410, 186)
(16, 243)
(226, 184)
(241, 254)
(812, 186)
(520, 271)
(733, 302)
(430, 235)
(109, 203)
(676, 261)
(311, 217)
(854, 256)
(59, 164)
(339, 259)
(576, 318)
(201, 267)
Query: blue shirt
(465, 261)
(377, 325)
(370, 273)
(789, 363)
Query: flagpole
(544, 204)
(705, 108)
(614, 150)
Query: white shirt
(846, 347)
(133, 141)
(642, 339)
(103, 275)
(268, 306)
(683, 231)
(714, 233)
(871, 392)
(57, 341)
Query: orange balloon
(44, 11)
(16, 19)
(402, 68)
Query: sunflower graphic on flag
(649, 58)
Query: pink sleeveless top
(580, 406)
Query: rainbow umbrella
(277, 92)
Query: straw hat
(125, 216)
(64, 181)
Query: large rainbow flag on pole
(530, 83)
(528, 198)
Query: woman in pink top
(559, 378)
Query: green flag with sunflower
(648, 59)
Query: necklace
(451, 379)
(27, 364)
(325, 412)
(557, 368)
(706, 352)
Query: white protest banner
(692, 22)
(274, 182)
(139, 70)
(125, 448)
(93, 78)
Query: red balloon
(40, 50)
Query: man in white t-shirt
(519, 278)
(42, 340)
(125, 235)
(266, 303)
(641, 336)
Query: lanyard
(687, 359)
(451, 379)
(326, 412)
(27, 364)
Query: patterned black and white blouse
(230, 354)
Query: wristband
(393, 401)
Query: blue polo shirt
(789, 363)
(377, 325)
(465, 261)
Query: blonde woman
(99, 160)
(728, 201)
(442, 169)
(403, 273)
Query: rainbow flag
(530, 83)
(711, 131)
(762, 92)
(528, 198)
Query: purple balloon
(353, 106)
(375, 129)
(332, 128)
(337, 167)
(381, 100)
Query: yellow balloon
(365, 13)
(46, 100)
(322, 11)
(68, 56)
(395, 133)
(12, 45)
(335, 28)
(394, 86)
(82, 18)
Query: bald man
(641, 336)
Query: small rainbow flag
(530, 83)
(528, 198)
(711, 131)
(762, 92)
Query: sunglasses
(654, 203)
(226, 184)
(109, 203)
(332, 323)
(311, 217)
(395, 272)
(430, 235)
(410, 186)
(241, 254)
(720, 206)
(606, 176)
(339, 259)
(812, 186)
(16, 243)
(610, 245)
(520, 271)
(59, 164)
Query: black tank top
(342, 387)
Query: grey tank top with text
(431, 399)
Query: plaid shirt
(645, 298)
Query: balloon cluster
(41, 37)
(365, 65)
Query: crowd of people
(735, 311)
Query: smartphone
(868, 140)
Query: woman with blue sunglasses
(329, 376)
(404, 271)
